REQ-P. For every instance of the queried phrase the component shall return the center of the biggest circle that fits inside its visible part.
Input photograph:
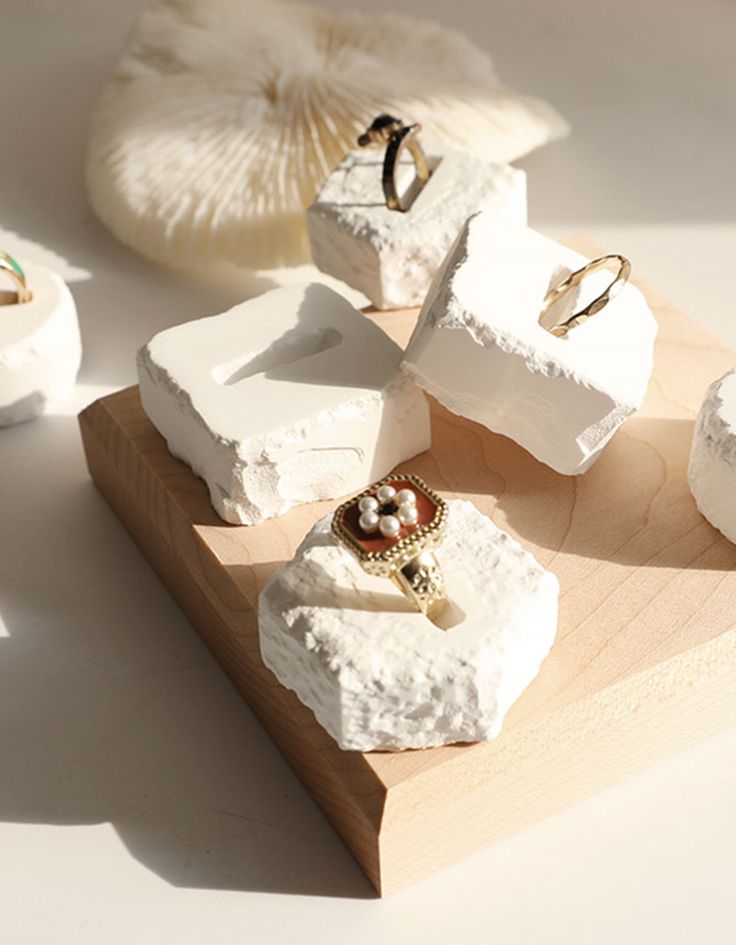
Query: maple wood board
(645, 658)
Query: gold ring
(574, 279)
(392, 528)
(396, 136)
(9, 265)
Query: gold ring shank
(599, 302)
(10, 266)
(404, 139)
(422, 581)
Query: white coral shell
(223, 117)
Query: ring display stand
(40, 347)
(392, 256)
(481, 349)
(712, 469)
(380, 675)
(645, 659)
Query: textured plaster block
(40, 347)
(290, 397)
(479, 349)
(392, 256)
(712, 469)
(379, 675)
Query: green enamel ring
(9, 265)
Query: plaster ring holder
(574, 280)
(392, 257)
(398, 137)
(40, 344)
(22, 293)
(392, 528)
(480, 348)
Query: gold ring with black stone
(397, 137)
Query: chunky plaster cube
(479, 349)
(290, 397)
(391, 256)
(378, 674)
(712, 468)
(40, 347)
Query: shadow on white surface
(112, 709)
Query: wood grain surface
(645, 658)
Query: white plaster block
(290, 397)
(40, 347)
(479, 349)
(712, 468)
(378, 674)
(392, 256)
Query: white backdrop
(139, 799)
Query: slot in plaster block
(712, 468)
(479, 349)
(378, 674)
(40, 347)
(391, 256)
(290, 397)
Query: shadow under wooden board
(645, 658)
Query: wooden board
(645, 659)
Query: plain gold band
(10, 266)
(598, 303)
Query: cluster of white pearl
(373, 519)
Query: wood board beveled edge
(345, 787)
(406, 816)
(399, 832)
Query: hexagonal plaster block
(479, 349)
(290, 397)
(379, 675)
(40, 347)
(712, 467)
(391, 256)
